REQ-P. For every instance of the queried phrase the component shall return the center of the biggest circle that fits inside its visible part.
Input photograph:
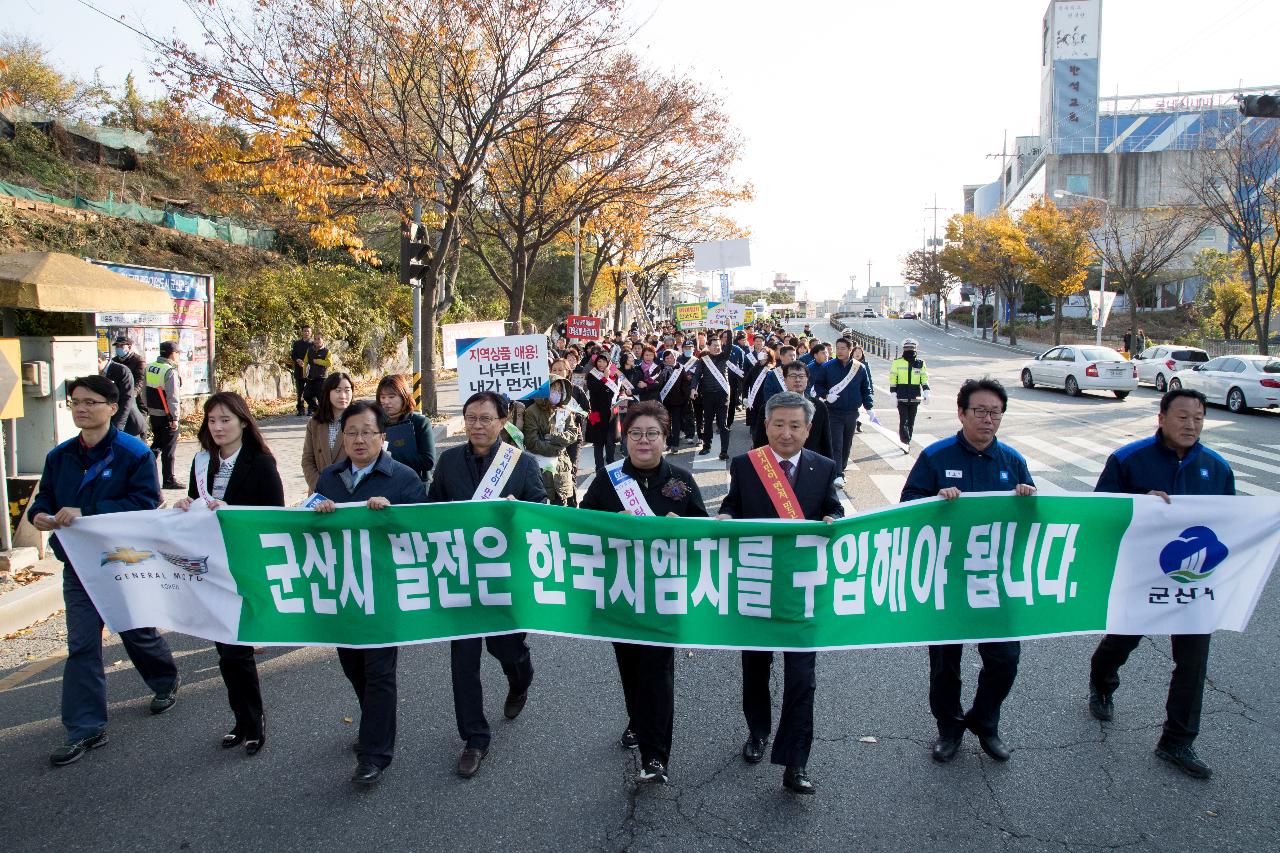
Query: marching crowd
(637, 399)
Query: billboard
(721, 255)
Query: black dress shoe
(724, 454)
(753, 750)
(172, 484)
(706, 448)
(515, 703)
(945, 748)
(366, 775)
(992, 745)
(231, 739)
(1184, 758)
(629, 739)
(1100, 704)
(253, 745)
(469, 761)
(796, 780)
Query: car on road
(869, 313)
(1238, 382)
(1156, 364)
(908, 315)
(1078, 368)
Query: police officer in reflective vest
(163, 405)
(909, 382)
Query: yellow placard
(10, 379)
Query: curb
(24, 607)
(451, 427)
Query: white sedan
(1077, 368)
(1238, 382)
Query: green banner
(920, 573)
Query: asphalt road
(554, 780)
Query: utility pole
(577, 259)
(939, 308)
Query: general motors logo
(1193, 555)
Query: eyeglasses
(479, 420)
(982, 412)
(647, 435)
(363, 435)
(80, 403)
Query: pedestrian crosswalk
(1060, 464)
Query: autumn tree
(28, 78)
(357, 115)
(924, 270)
(1235, 183)
(1061, 252)
(969, 246)
(1224, 303)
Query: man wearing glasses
(971, 461)
(486, 468)
(371, 476)
(99, 471)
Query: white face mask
(555, 398)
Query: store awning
(52, 281)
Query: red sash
(775, 483)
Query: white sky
(855, 114)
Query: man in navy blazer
(788, 417)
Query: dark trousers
(606, 449)
(907, 419)
(687, 416)
(699, 416)
(715, 412)
(995, 680)
(300, 392)
(468, 693)
(164, 443)
(84, 682)
(1186, 687)
(649, 688)
(311, 394)
(372, 672)
(842, 426)
(735, 400)
(677, 415)
(799, 682)
(240, 674)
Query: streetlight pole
(1102, 277)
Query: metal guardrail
(874, 345)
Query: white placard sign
(514, 365)
(726, 315)
(451, 332)
(721, 255)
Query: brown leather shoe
(469, 761)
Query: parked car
(1238, 382)
(1156, 364)
(1082, 368)
(869, 313)
(908, 315)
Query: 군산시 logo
(1193, 555)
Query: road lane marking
(31, 670)
(890, 485)
(1057, 452)
(888, 451)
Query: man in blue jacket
(971, 461)
(844, 383)
(1171, 462)
(101, 470)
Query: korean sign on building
(514, 365)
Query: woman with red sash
(644, 483)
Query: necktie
(789, 470)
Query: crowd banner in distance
(983, 567)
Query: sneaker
(1184, 758)
(653, 771)
(162, 702)
(628, 739)
(71, 751)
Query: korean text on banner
(583, 328)
(452, 332)
(514, 365)
(983, 567)
(690, 315)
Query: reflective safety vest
(157, 378)
(907, 378)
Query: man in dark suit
(127, 418)
(813, 496)
(369, 474)
(486, 468)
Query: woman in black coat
(236, 468)
(648, 672)
(600, 419)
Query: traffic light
(413, 252)
(1260, 106)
